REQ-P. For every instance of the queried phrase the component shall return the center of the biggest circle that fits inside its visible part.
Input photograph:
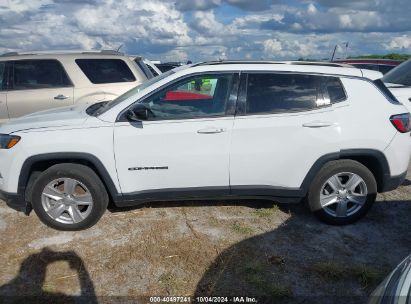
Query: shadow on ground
(306, 262)
(29, 285)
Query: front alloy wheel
(69, 197)
(67, 200)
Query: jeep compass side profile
(269, 130)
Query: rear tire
(69, 197)
(342, 192)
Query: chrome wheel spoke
(52, 193)
(357, 199)
(334, 183)
(75, 214)
(342, 209)
(84, 199)
(327, 200)
(70, 186)
(353, 182)
(57, 210)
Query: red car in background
(381, 65)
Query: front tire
(342, 192)
(69, 197)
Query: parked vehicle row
(266, 130)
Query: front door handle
(210, 130)
(317, 124)
(60, 97)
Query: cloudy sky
(208, 29)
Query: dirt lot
(207, 248)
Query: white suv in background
(40, 81)
(280, 131)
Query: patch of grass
(276, 289)
(266, 212)
(214, 222)
(367, 275)
(329, 270)
(241, 228)
(171, 283)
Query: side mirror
(138, 113)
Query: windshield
(107, 106)
(400, 75)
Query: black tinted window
(198, 96)
(335, 89)
(3, 80)
(270, 93)
(38, 74)
(400, 75)
(106, 70)
(385, 68)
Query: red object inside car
(181, 95)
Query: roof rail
(102, 52)
(322, 63)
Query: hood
(60, 117)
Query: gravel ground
(236, 248)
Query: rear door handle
(317, 124)
(210, 130)
(409, 99)
(60, 97)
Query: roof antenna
(118, 49)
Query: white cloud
(399, 43)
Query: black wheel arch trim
(66, 157)
(382, 180)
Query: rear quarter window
(106, 70)
(335, 89)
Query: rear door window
(276, 93)
(106, 70)
(38, 74)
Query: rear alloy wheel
(69, 197)
(342, 192)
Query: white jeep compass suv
(280, 131)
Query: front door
(182, 150)
(38, 85)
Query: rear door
(285, 122)
(4, 114)
(37, 85)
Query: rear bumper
(14, 201)
(392, 182)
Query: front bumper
(14, 201)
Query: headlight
(8, 141)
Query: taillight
(402, 122)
